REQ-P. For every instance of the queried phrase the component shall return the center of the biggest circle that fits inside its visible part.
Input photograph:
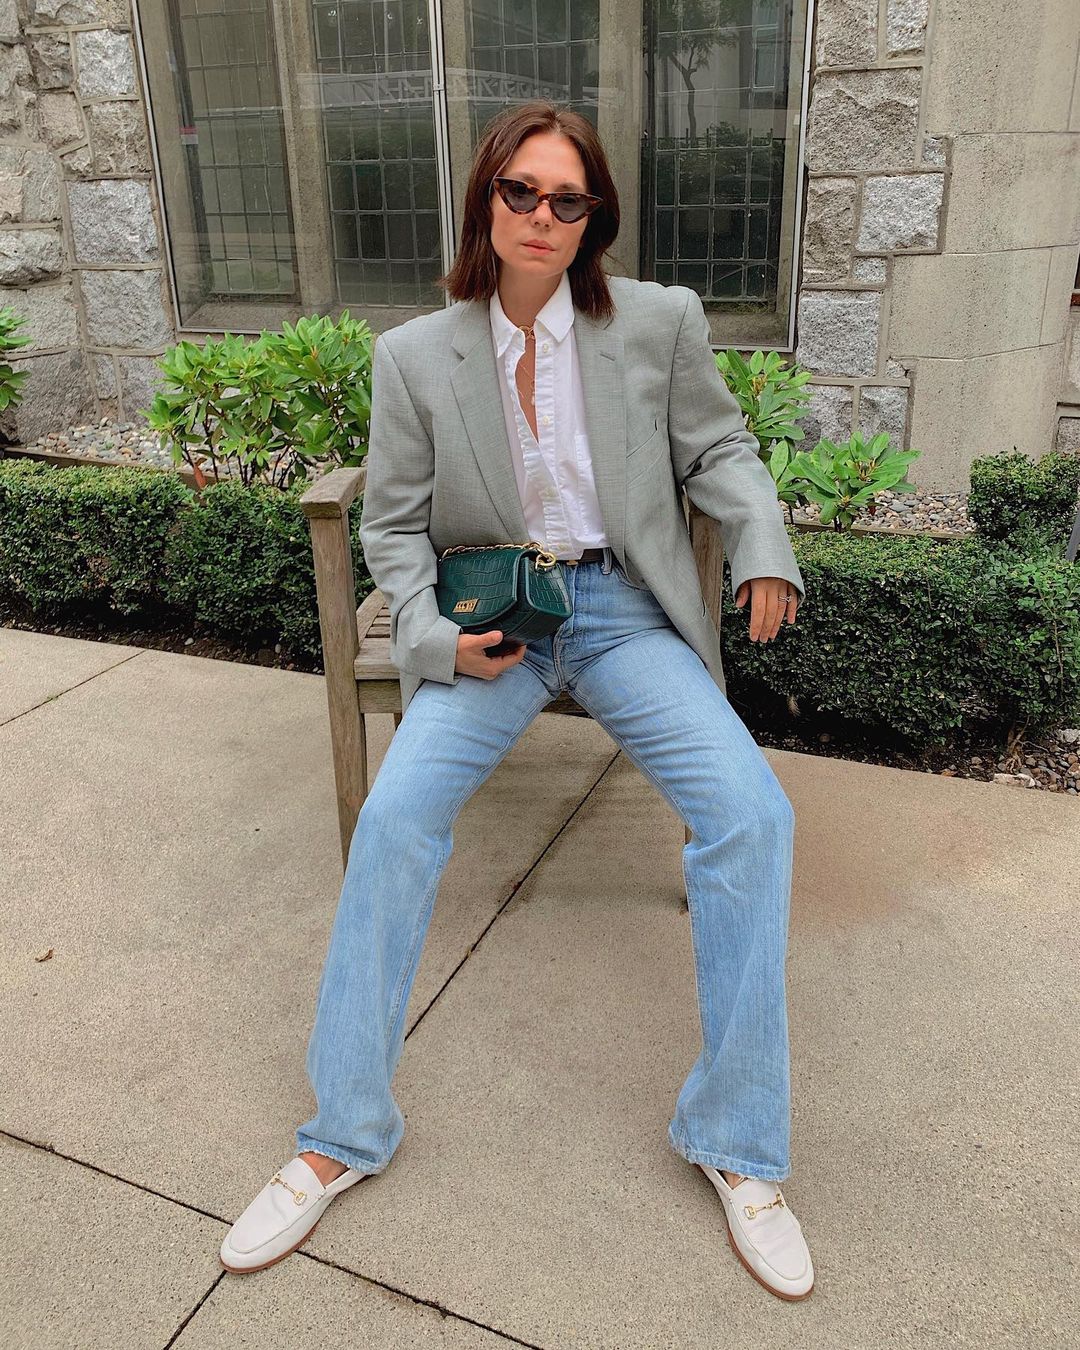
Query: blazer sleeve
(394, 521)
(716, 459)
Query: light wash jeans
(620, 657)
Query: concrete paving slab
(301, 1303)
(933, 1014)
(174, 842)
(87, 1261)
(35, 667)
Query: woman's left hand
(767, 609)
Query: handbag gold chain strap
(544, 562)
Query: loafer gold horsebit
(751, 1210)
(298, 1196)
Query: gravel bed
(1053, 765)
(134, 443)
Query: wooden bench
(360, 678)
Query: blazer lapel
(475, 382)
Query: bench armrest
(326, 504)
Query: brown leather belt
(589, 555)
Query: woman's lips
(540, 248)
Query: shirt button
(546, 347)
(545, 420)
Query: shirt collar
(556, 317)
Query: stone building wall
(940, 229)
(942, 220)
(81, 249)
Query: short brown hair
(473, 275)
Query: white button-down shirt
(554, 475)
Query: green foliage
(842, 479)
(86, 536)
(1018, 499)
(11, 380)
(232, 561)
(273, 405)
(771, 394)
(922, 637)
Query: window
(313, 156)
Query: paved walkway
(170, 835)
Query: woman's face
(550, 163)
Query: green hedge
(1019, 500)
(906, 633)
(232, 561)
(922, 637)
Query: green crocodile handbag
(517, 588)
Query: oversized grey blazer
(659, 417)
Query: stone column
(943, 209)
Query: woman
(555, 403)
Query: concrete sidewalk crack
(7, 721)
(514, 890)
(197, 1308)
(310, 1256)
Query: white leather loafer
(765, 1235)
(281, 1217)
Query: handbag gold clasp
(545, 560)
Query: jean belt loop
(608, 560)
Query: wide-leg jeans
(621, 659)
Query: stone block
(830, 223)
(847, 33)
(1070, 385)
(59, 119)
(999, 66)
(127, 309)
(960, 305)
(118, 138)
(103, 368)
(11, 200)
(112, 221)
(106, 64)
(980, 405)
(1067, 437)
(58, 394)
(62, 13)
(50, 312)
(869, 269)
(1005, 192)
(140, 380)
(901, 211)
(50, 60)
(18, 98)
(934, 150)
(38, 181)
(864, 120)
(1058, 307)
(78, 163)
(838, 331)
(10, 30)
(828, 415)
(905, 26)
(883, 408)
(30, 255)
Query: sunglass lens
(518, 197)
(569, 208)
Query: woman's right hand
(471, 659)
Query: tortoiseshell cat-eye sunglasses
(565, 206)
